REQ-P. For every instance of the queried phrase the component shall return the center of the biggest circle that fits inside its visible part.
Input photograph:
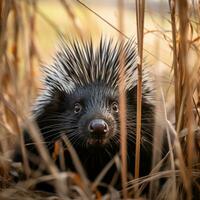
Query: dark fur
(96, 96)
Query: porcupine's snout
(98, 127)
(99, 131)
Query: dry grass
(28, 33)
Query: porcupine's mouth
(97, 141)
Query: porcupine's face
(90, 115)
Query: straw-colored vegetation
(168, 38)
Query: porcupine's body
(80, 100)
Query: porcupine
(80, 99)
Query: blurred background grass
(52, 18)
(157, 23)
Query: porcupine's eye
(114, 107)
(77, 108)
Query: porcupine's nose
(98, 126)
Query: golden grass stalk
(172, 5)
(183, 90)
(122, 102)
(173, 193)
(31, 13)
(140, 7)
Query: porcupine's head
(81, 98)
